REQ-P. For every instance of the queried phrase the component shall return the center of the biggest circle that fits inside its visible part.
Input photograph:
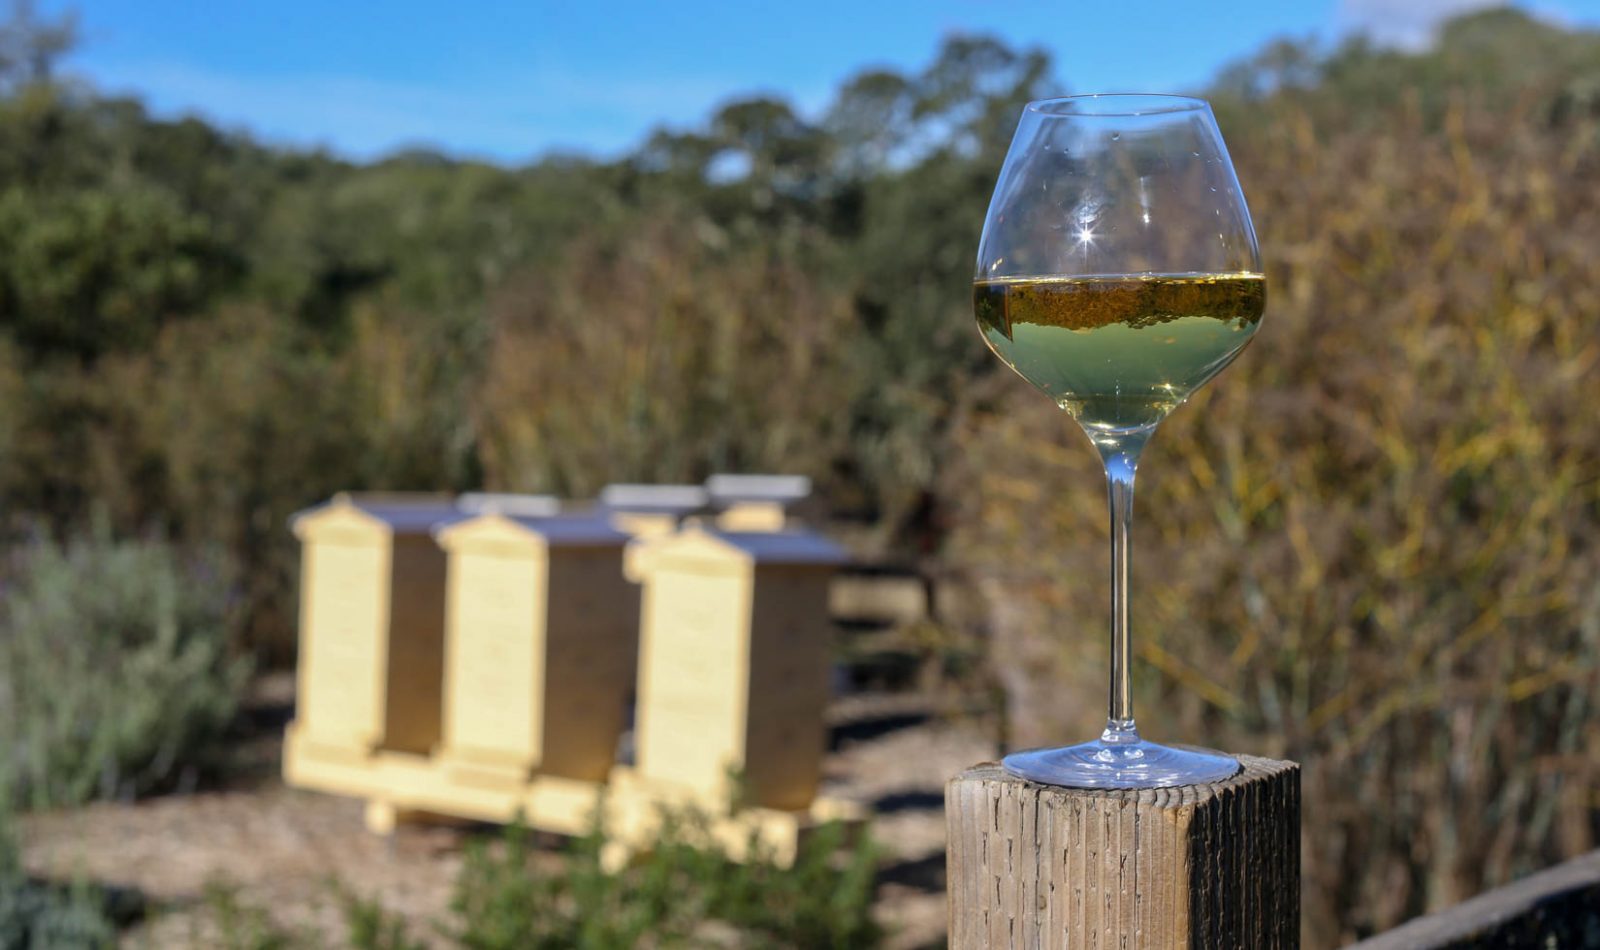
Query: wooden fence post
(1036, 866)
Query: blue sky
(510, 81)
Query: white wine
(1119, 352)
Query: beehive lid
(700, 546)
(783, 547)
(508, 503)
(581, 530)
(380, 513)
(774, 489)
(663, 499)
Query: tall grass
(666, 354)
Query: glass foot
(1120, 759)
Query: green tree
(89, 272)
(31, 46)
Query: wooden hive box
(371, 627)
(733, 666)
(541, 648)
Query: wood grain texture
(1557, 907)
(1036, 866)
(414, 681)
(592, 652)
(785, 733)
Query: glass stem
(1121, 464)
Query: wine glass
(1118, 272)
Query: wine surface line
(1119, 352)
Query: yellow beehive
(371, 626)
(541, 648)
(733, 666)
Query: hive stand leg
(381, 816)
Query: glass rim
(1121, 105)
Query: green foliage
(369, 926)
(619, 396)
(38, 916)
(1499, 59)
(63, 291)
(685, 892)
(29, 47)
(229, 921)
(115, 671)
(238, 925)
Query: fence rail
(1557, 907)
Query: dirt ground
(289, 852)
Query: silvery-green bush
(116, 676)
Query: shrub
(659, 360)
(226, 426)
(231, 921)
(115, 674)
(368, 926)
(685, 891)
(219, 447)
(238, 925)
(37, 916)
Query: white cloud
(514, 119)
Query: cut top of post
(1211, 865)
(1252, 769)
